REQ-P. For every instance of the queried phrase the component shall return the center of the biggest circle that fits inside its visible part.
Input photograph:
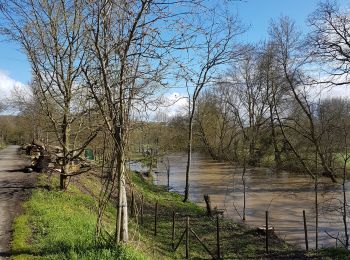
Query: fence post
(142, 210)
(168, 174)
(267, 231)
(218, 237)
(132, 210)
(173, 232)
(305, 231)
(155, 219)
(187, 236)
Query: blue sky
(256, 14)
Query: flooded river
(284, 195)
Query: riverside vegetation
(61, 225)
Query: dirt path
(15, 186)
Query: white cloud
(175, 103)
(169, 105)
(162, 107)
(321, 92)
(8, 84)
(336, 91)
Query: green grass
(330, 253)
(61, 225)
(153, 193)
(145, 160)
(237, 240)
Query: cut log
(38, 143)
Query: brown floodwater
(285, 195)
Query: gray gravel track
(15, 187)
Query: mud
(15, 187)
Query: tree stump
(208, 203)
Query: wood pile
(50, 159)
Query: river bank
(60, 225)
(285, 195)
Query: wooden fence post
(173, 232)
(142, 210)
(132, 210)
(305, 231)
(201, 242)
(218, 237)
(155, 219)
(187, 236)
(168, 174)
(267, 231)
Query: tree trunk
(66, 145)
(345, 207)
(189, 157)
(251, 152)
(277, 152)
(208, 204)
(122, 206)
(63, 181)
(316, 204)
(244, 188)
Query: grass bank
(61, 225)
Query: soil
(15, 187)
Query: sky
(255, 14)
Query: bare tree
(330, 42)
(293, 59)
(345, 159)
(334, 120)
(28, 106)
(217, 125)
(114, 58)
(52, 35)
(128, 53)
(2, 106)
(250, 106)
(213, 48)
(274, 91)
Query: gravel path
(15, 186)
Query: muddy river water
(283, 194)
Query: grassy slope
(237, 241)
(60, 225)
